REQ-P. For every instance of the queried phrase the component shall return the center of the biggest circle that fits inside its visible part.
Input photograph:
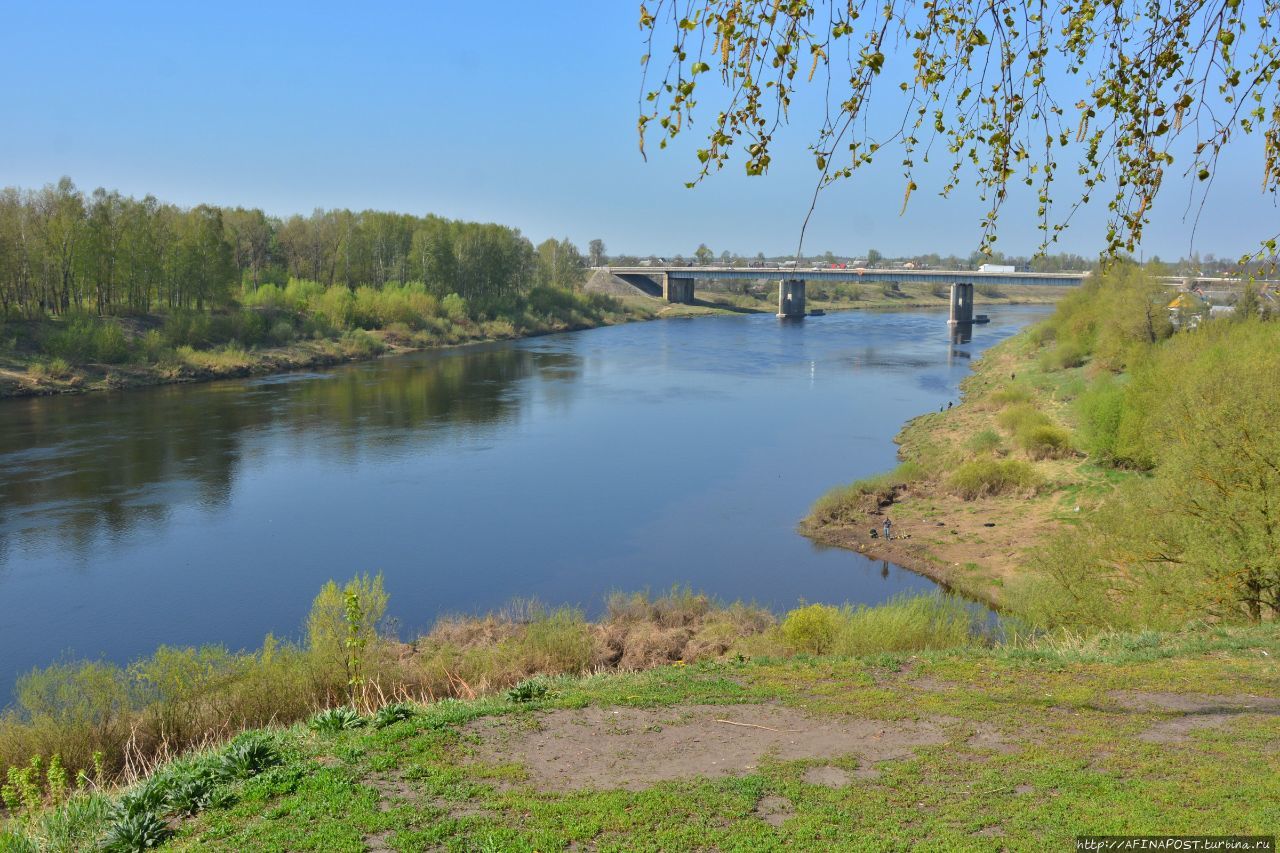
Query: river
(556, 468)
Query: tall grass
(908, 623)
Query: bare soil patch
(633, 748)
(774, 810)
(1195, 711)
(989, 737)
(827, 776)
(1194, 703)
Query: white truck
(996, 268)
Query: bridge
(675, 283)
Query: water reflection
(560, 468)
(75, 470)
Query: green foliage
(812, 629)
(248, 755)
(84, 338)
(332, 720)
(1021, 416)
(529, 690)
(135, 833)
(343, 621)
(906, 624)
(983, 442)
(984, 477)
(1044, 441)
(395, 712)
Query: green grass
(1069, 758)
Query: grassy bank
(275, 329)
(304, 325)
(1102, 471)
(1019, 747)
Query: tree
(873, 257)
(1004, 90)
(703, 254)
(596, 253)
(559, 264)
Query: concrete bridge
(676, 283)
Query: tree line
(62, 251)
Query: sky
(513, 112)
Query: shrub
(1044, 441)
(1065, 355)
(84, 338)
(559, 641)
(985, 477)
(281, 333)
(455, 308)
(811, 629)
(990, 291)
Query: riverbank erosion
(1102, 470)
(1020, 747)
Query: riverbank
(1021, 747)
(26, 371)
(973, 500)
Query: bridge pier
(791, 298)
(961, 304)
(677, 289)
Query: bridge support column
(961, 304)
(791, 298)
(678, 289)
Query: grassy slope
(1067, 757)
(949, 537)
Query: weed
(334, 720)
(530, 690)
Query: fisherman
(888, 527)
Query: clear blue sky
(514, 112)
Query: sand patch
(826, 776)
(634, 748)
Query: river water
(557, 468)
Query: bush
(1065, 355)
(455, 308)
(1044, 441)
(811, 629)
(84, 338)
(986, 477)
